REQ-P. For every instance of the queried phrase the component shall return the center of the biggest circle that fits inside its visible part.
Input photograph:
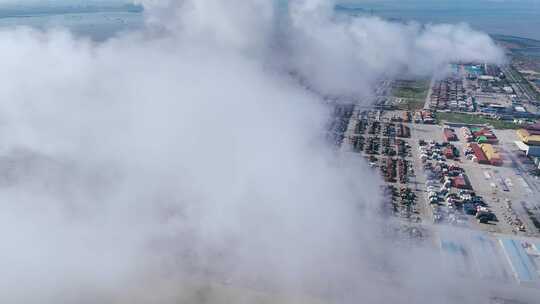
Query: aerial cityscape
(286, 151)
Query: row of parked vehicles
(402, 201)
(338, 123)
(437, 151)
(449, 192)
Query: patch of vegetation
(525, 83)
(518, 41)
(475, 120)
(411, 104)
(412, 94)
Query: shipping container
(449, 153)
(460, 182)
(449, 134)
(496, 161)
(528, 138)
(533, 151)
(489, 150)
(403, 131)
(533, 132)
(486, 135)
(491, 154)
(482, 139)
(479, 154)
(406, 116)
(534, 127)
(475, 129)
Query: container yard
(459, 176)
(469, 176)
(449, 94)
(476, 89)
(446, 175)
(384, 142)
(467, 160)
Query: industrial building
(530, 150)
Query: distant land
(348, 8)
(32, 11)
(96, 21)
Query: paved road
(509, 72)
(531, 199)
(430, 91)
(522, 171)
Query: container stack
(479, 155)
(467, 134)
(529, 137)
(484, 135)
(449, 134)
(460, 182)
(492, 155)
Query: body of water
(509, 17)
(98, 23)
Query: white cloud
(191, 158)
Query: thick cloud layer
(360, 51)
(336, 55)
(184, 164)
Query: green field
(474, 119)
(518, 41)
(411, 104)
(412, 93)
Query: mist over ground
(186, 163)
